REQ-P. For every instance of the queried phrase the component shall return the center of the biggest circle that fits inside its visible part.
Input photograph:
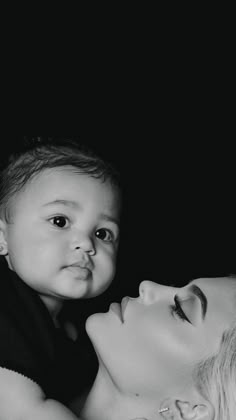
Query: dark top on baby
(31, 345)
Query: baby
(59, 236)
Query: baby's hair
(39, 153)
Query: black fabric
(31, 345)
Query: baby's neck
(54, 306)
(107, 403)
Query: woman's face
(156, 340)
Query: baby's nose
(84, 241)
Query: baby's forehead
(47, 177)
(66, 172)
(64, 183)
(41, 180)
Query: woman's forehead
(215, 283)
(219, 291)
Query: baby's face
(63, 234)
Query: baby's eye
(59, 221)
(105, 235)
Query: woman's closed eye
(177, 309)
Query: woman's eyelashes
(177, 309)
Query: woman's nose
(150, 292)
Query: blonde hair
(216, 377)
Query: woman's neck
(106, 402)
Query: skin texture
(63, 235)
(154, 349)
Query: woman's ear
(192, 409)
(189, 411)
(3, 240)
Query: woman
(170, 353)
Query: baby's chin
(78, 290)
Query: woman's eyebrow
(199, 293)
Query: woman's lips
(124, 304)
(116, 308)
(119, 309)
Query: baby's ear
(188, 411)
(3, 241)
